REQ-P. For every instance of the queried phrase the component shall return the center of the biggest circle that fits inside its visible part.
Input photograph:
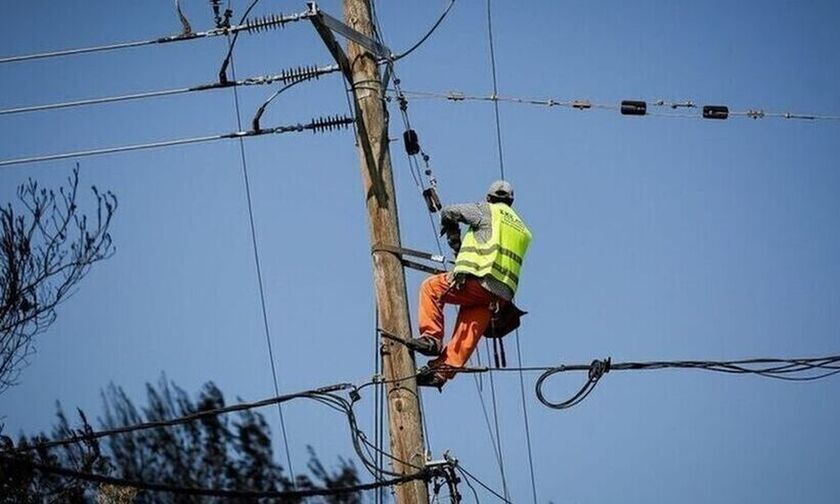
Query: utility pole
(405, 428)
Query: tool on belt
(504, 319)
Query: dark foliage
(222, 452)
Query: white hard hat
(501, 189)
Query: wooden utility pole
(405, 427)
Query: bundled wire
(585, 104)
(329, 396)
(805, 369)
(198, 415)
(469, 476)
(209, 492)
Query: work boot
(428, 377)
(426, 345)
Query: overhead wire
(428, 34)
(527, 422)
(252, 26)
(415, 171)
(790, 369)
(498, 122)
(802, 369)
(209, 492)
(585, 104)
(324, 395)
(191, 417)
(469, 476)
(286, 76)
(232, 43)
(246, 178)
(316, 125)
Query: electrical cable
(469, 475)
(777, 368)
(780, 369)
(255, 122)
(378, 404)
(497, 430)
(192, 417)
(289, 75)
(498, 123)
(414, 168)
(427, 35)
(258, 266)
(525, 418)
(496, 452)
(581, 104)
(232, 43)
(317, 125)
(208, 492)
(472, 488)
(413, 163)
(249, 26)
(495, 87)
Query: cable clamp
(599, 368)
(455, 96)
(755, 114)
(448, 461)
(582, 104)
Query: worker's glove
(453, 234)
(454, 241)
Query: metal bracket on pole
(329, 40)
(320, 17)
(325, 25)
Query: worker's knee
(433, 287)
(427, 287)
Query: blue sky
(655, 238)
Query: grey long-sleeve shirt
(479, 218)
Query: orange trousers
(473, 316)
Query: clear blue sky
(655, 238)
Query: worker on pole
(483, 282)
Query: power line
(526, 419)
(192, 417)
(468, 475)
(498, 123)
(232, 43)
(428, 34)
(791, 369)
(285, 76)
(495, 88)
(210, 492)
(583, 104)
(257, 258)
(324, 395)
(316, 125)
(806, 369)
(250, 26)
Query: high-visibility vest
(501, 256)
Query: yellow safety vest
(501, 256)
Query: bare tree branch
(44, 252)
